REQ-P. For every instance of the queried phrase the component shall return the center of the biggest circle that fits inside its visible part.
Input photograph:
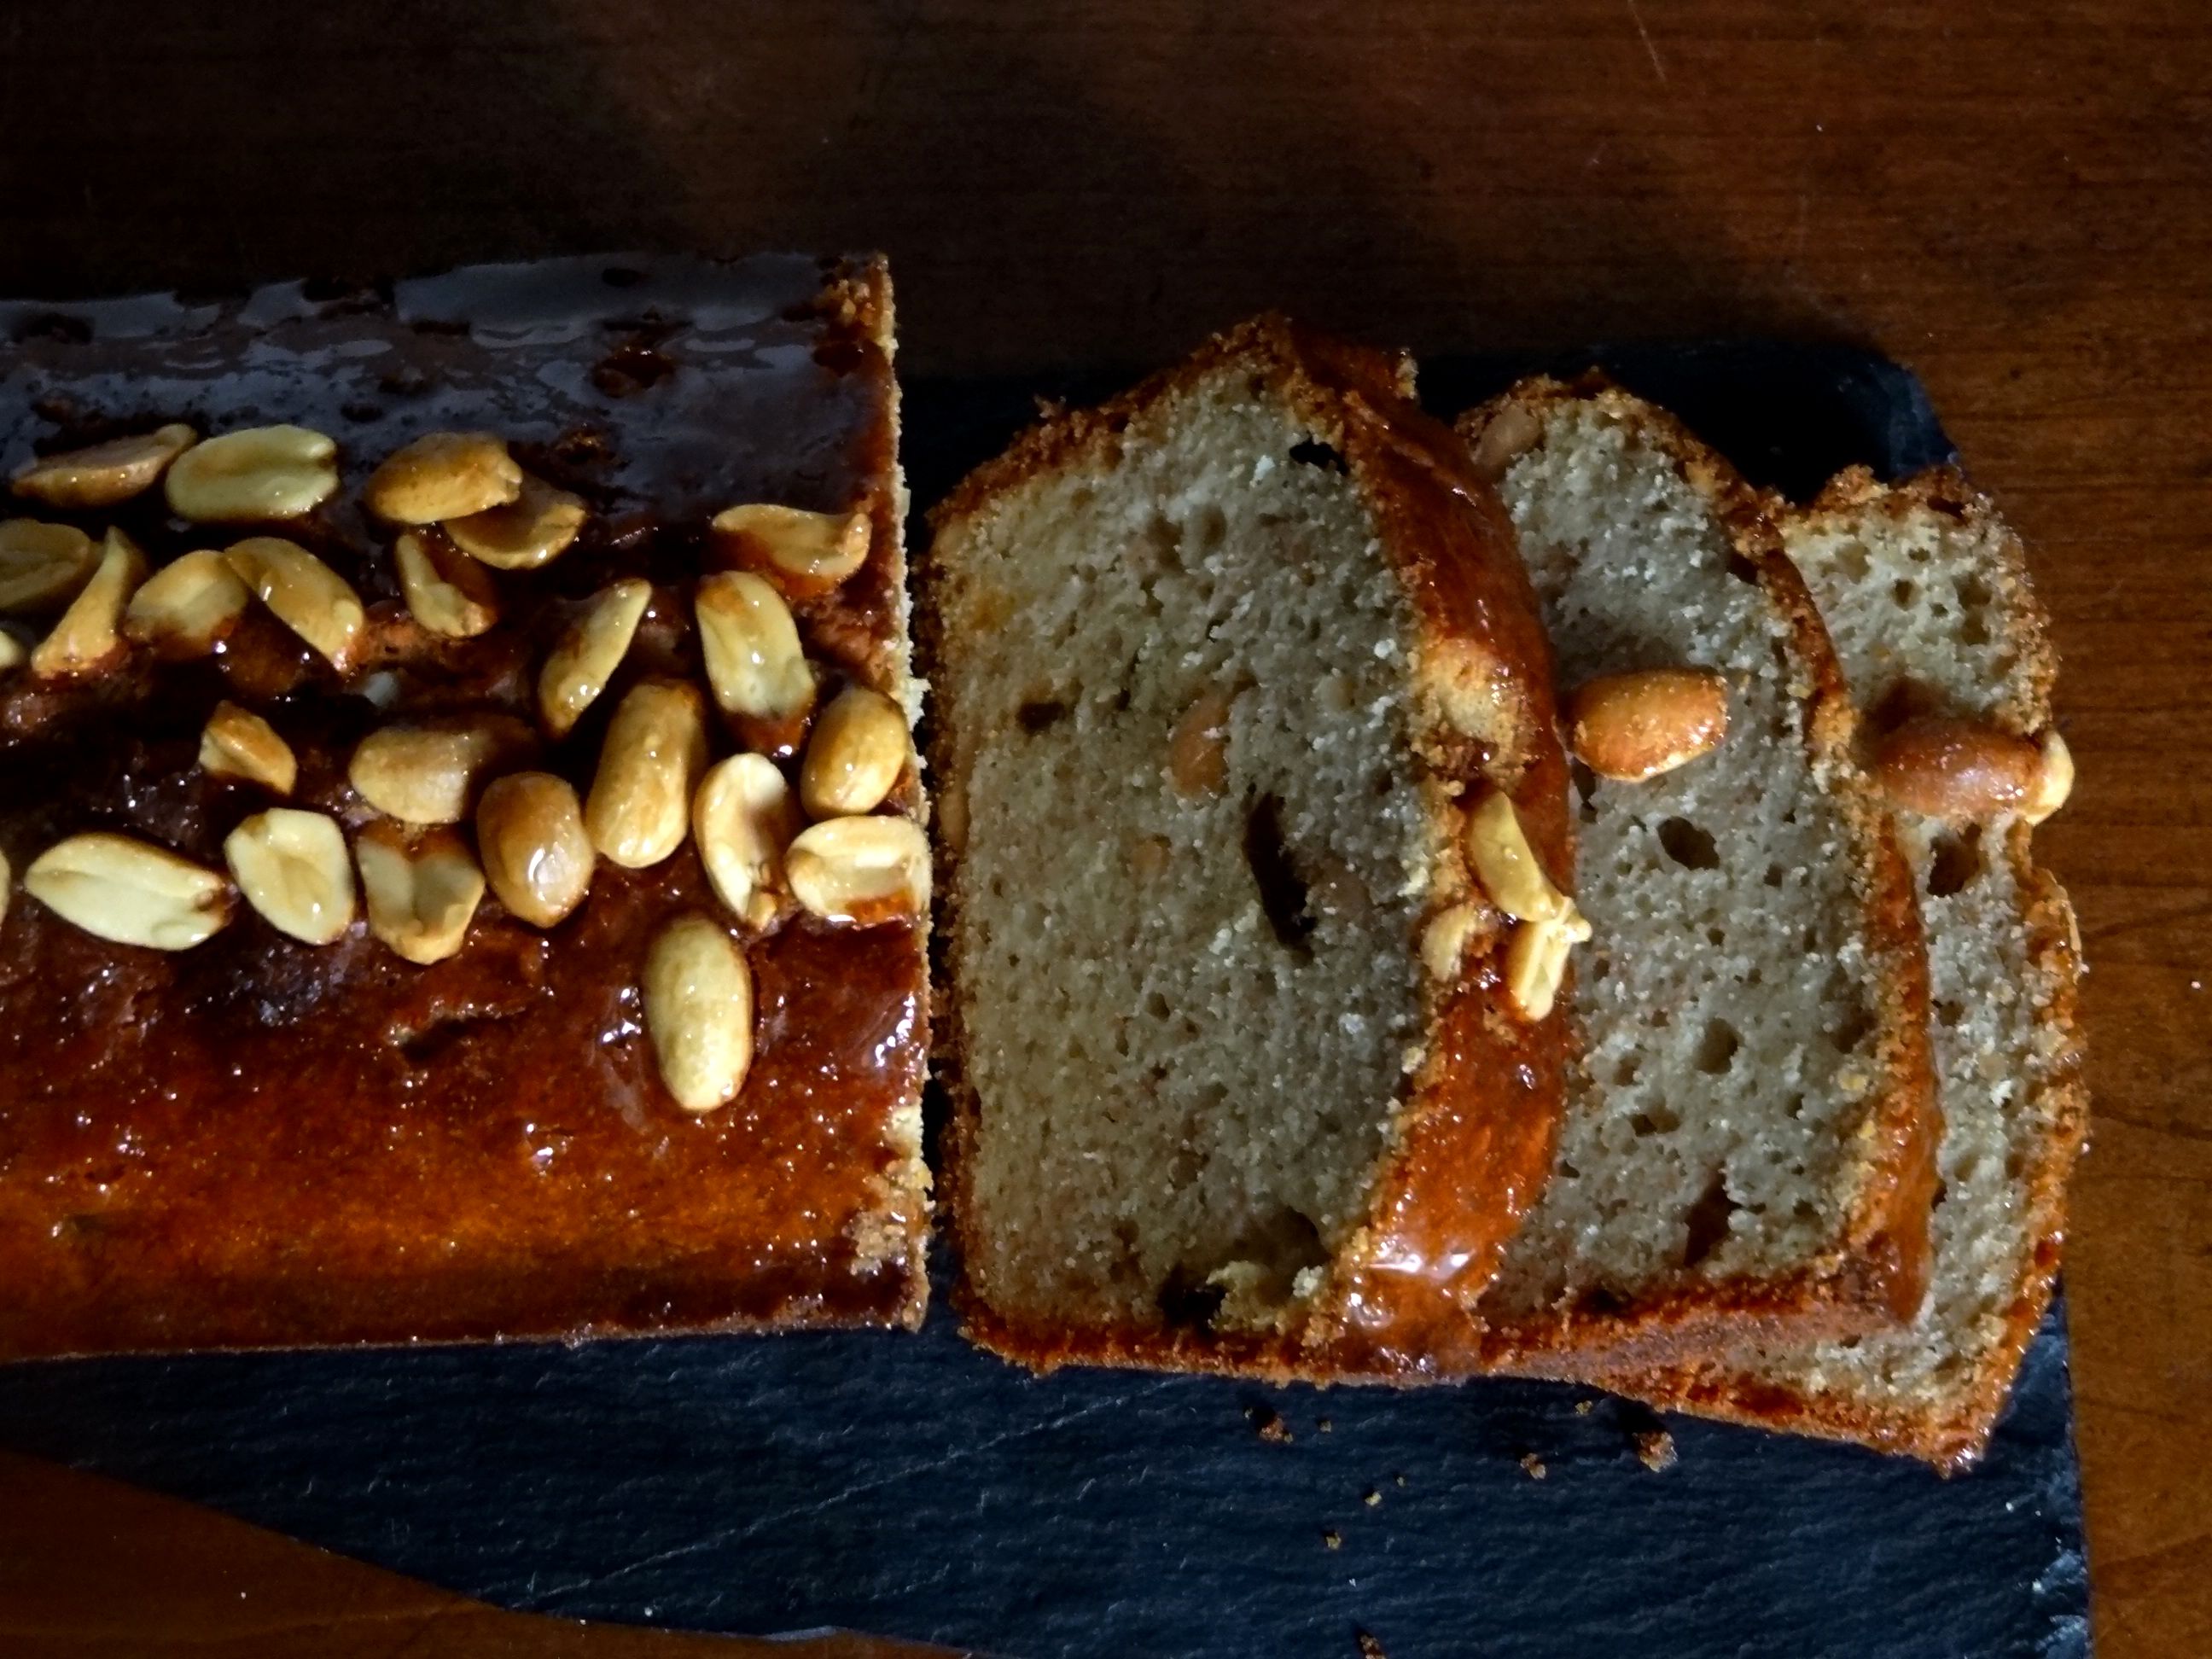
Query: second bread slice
(1748, 1138)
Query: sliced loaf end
(1218, 670)
(1749, 1134)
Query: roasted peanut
(861, 870)
(129, 891)
(237, 743)
(1506, 865)
(530, 830)
(1198, 752)
(103, 474)
(421, 891)
(43, 566)
(656, 747)
(447, 592)
(425, 774)
(1536, 961)
(187, 607)
(443, 475)
(742, 817)
(14, 653)
(86, 639)
(588, 652)
(698, 997)
(1443, 940)
(1945, 766)
(306, 595)
(260, 473)
(292, 866)
(804, 554)
(1633, 726)
(1507, 436)
(533, 529)
(760, 677)
(2054, 782)
(855, 756)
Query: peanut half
(1633, 726)
(760, 677)
(1945, 766)
(443, 475)
(259, 473)
(1508, 435)
(698, 997)
(448, 593)
(307, 595)
(858, 750)
(1536, 961)
(640, 805)
(237, 743)
(43, 566)
(103, 474)
(537, 855)
(426, 773)
(588, 652)
(187, 607)
(2054, 782)
(1506, 865)
(292, 866)
(533, 529)
(804, 554)
(861, 870)
(421, 891)
(86, 639)
(129, 891)
(742, 817)
(14, 653)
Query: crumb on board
(1398, 1480)
(1370, 1646)
(1326, 1426)
(1269, 1422)
(1582, 1407)
(1331, 1538)
(1533, 1466)
(1371, 1497)
(1654, 1449)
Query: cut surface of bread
(1217, 671)
(1748, 1135)
(1925, 590)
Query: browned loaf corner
(1935, 1389)
(1469, 1138)
(1872, 1272)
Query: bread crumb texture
(1194, 862)
(1726, 999)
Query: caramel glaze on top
(259, 1143)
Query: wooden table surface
(2014, 196)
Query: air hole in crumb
(1706, 1225)
(1742, 568)
(1688, 846)
(1314, 452)
(1625, 1070)
(1717, 1047)
(1852, 562)
(1973, 593)
(1040, 715)
(1585, 781)
(1794, 1107)
(1851, 1030)
(1283, 892)
(1903, 591)
(1973, 630)
(1942, 1192)
(1958, 862)
(1165, 536)
(1656, 1122)
(1568, 1172)
(1187, 1301)
(1155, 1004)
(1773, 875)
(1209, 527)
(1949, 1011)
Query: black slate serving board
(912, 1487)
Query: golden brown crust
(1953, 1433)
(1471, 1144)
(1876, 1270)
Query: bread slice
(1218, 672)
(1925, 590)
(1749, 1132)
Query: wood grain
(2015, 199)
